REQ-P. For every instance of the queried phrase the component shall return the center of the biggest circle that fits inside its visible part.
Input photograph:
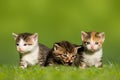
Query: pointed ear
(56, 47)
(102, 36)
(76, 49)
(83, 35)
(35, 36)
(15, 35)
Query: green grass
(108, 72)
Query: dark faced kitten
(92, 43)
(63, 53)
(31, 52)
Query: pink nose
(19, 49)
(92, 47)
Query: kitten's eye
(29, 44)
(17, 44)
(64, 55)
(96, 43)
(74, 56)
(87, 42)
(25, 44)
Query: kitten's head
(65, 52)
(92, 41)
(25, 42)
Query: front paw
(23, 65)
(83, 65)
(99, 65)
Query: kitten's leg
(83, 65)
(42, 60)
(23, 64)
(99, 64)
(51, 62)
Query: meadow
(57, 20)
(108, 72)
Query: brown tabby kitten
(31, 52)
(92, 54)
(63, 53)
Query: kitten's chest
(92, 59)
(31, 58)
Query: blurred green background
(56, 20)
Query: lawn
(12, 72)
(54, 21)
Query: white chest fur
(92, 59)
(32, 57)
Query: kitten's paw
(51, 64)
(99, 65)
(82, 67)
(22, 67)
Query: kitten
(92, 44)
(63, 53)
(31, 52)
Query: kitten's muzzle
(20, 49)
(68, 63)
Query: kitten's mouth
(21, 51)
(68, 63)
(92, 50)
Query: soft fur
(92, 44)
(63, 53)
(31, 52)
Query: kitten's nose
(20, 49)
(92, 47)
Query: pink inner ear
(35, 37)
(83, 36)
(102, 35)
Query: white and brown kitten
(31, 52)
(63, 53)
(92, 44)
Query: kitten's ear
(76, 49)
(35, 36)
(102, 36)
(56, 47)
(83, 35)
(15, 35)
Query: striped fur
(63, 53)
